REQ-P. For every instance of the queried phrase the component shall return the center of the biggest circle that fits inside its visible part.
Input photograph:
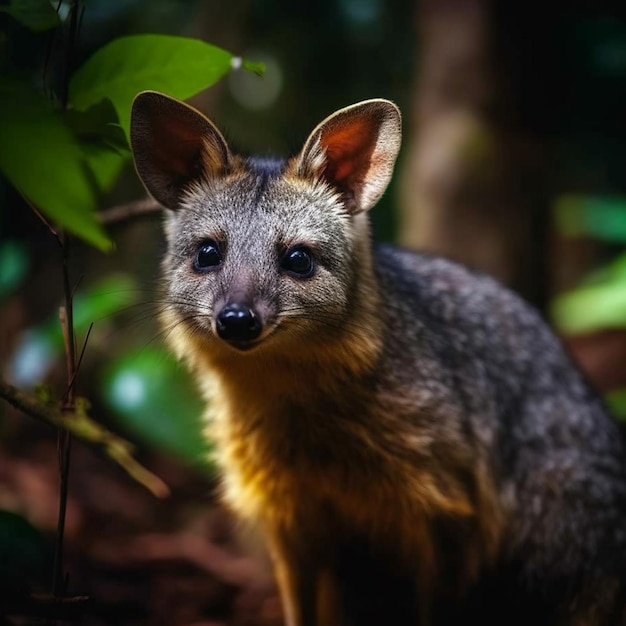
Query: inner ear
(354, 151)
(177, 150)
(349, 150)
(173, 145)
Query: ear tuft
(354, 150)
(173, 145)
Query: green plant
(60, 148)
(63, 143)
(599, 302)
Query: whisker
(191, 309)
(166, 331)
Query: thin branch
(45, 222)
(64, 449)
(67, 328)
(64, 439)
(131, 210)
(82, 426)
(83, 349)
(45, 606)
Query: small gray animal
(408, 435)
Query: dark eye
(298, 261)
(208, 256)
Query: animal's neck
(305, 374)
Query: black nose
(237, 322)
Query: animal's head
(262, 251)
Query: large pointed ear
(354, 150)
(173, 145)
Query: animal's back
(522, 408)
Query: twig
(82, 350)
(123, 212)
(64, 442)
(45, 606)
(41, 217)
(82, 426)
(66, 314)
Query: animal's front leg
(298, 579)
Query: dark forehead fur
(265, 167)
(263, 170)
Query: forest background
(513, 162)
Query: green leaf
(37, 15)
(107, 297)
(103, 142)
(105, 165)
(41, 158)
(13, 266)
(42, 346)
(590, 308)
(154, 398)
(616, 401)
(178, 66)
(23, 551)
(256, 67)
(598, 303)
(611, 273)
(99, 126)
(101, 300)
(603, 217)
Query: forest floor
(138, 560)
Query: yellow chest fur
(307, 459)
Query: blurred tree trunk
(470, 185)
(221, 24)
